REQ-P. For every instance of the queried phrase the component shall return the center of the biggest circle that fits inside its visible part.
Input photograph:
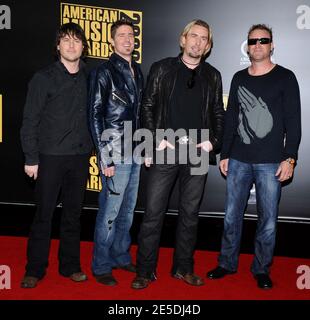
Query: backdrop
(27, 33)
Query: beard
(195, 55)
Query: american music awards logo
(97, 22)
(244, 60)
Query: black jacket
(55, 114)
(114, 97)
(159, 89)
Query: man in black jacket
(115, 92)
(182, 93)
(57, 144)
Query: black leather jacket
(158, 92)
(114, 97)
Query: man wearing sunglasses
(115, 91)
(261, 139)
(185, 93)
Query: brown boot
(29, 282)
(189, 278)
(78, 276)
(140, 283)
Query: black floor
(292, 238)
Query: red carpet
(238, 286)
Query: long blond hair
(198, 23)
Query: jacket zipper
(117, 97)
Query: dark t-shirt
(262, 122)
(185, 106)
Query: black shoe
(128, 267)
(263, 281)
(106, 279)
(219, 273)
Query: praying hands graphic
(255, 119)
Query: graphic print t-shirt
(262, 122)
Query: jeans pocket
(111, 186)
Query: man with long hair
(57, 144)
(183, 93)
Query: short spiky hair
(198, 23)
(260, 26)
(118, 24)
(73, 30)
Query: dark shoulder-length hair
(73, 30)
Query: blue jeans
(114, 219)
(240, 178)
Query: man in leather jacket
(115, 91)
(185, 93)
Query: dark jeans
(240, 178)
(161, 179)
(68, 174)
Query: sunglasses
(191, 80)
(253, 41)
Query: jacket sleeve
(230, 121)
(218, 115)
(98, 91)
(35, 103)
(292, 117)
(150, 99)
